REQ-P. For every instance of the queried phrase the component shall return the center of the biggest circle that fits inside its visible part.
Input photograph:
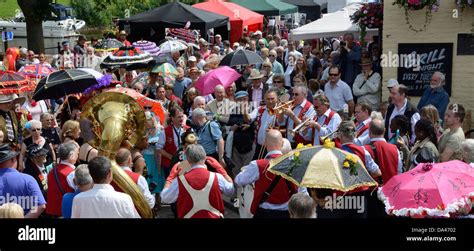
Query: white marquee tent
(331, 25)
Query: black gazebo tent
(309, 7)
(150, 25)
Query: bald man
(124, 160)
(274, 205)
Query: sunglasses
(272, 56)
(333, 75)
(296, 94)
(277, 82)
(36, 130)
(148, 107)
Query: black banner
(418, 62)
(239, 234)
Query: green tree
(35, 12)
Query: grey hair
(195, 153)
(302, 206)
(347, 129)
(199, 112)
(468, 148)
(286, 148)
(376, 115)
(304, 89)
(273, 50)
(219, 87)
(138, 84)
(65, 150)
(199, 98)
(442, 77)
(82, 176)
(35, 124)
(283, 43)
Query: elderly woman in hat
(34, 130)
(36, 165)
(367, 85)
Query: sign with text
(7, 36)
(426, 59)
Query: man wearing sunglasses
(293, 116)
(276, 66)
(339, 93)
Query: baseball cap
(392, 82)
(192, 58)
(241, 94)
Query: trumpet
(301, 127)
(279, 108)
(329, 135)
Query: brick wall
(443, 28)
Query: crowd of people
(212, 144)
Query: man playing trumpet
(293, 116)
(264, 119)
(324, 123)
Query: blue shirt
(437, 97)
(208, 136)
(20, 188)
(66, 206)
(179, 87)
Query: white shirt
(325, 129)
(162, 139)
(414, 118)
(250, 174)
(309, 114)
(70, 176)
(287, 75)
(363, 139)
(102, 201)
(143, 185)
(170, 194)
(400, 159)
(265, 121)
(37, 110)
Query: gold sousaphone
(117, 119)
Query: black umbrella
(241, 57)
(109, 44)
(130, 58)
(61, 83)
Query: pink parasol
(430, 190)
(223, 75)
(36, 70)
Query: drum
(245, 196)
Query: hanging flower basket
(369, 16)
(428, 5)
(417, 4)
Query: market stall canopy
(331, 25)
(308, 7)
(150, 25)
(239, 17)
(268, 7)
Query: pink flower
(414, 2)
